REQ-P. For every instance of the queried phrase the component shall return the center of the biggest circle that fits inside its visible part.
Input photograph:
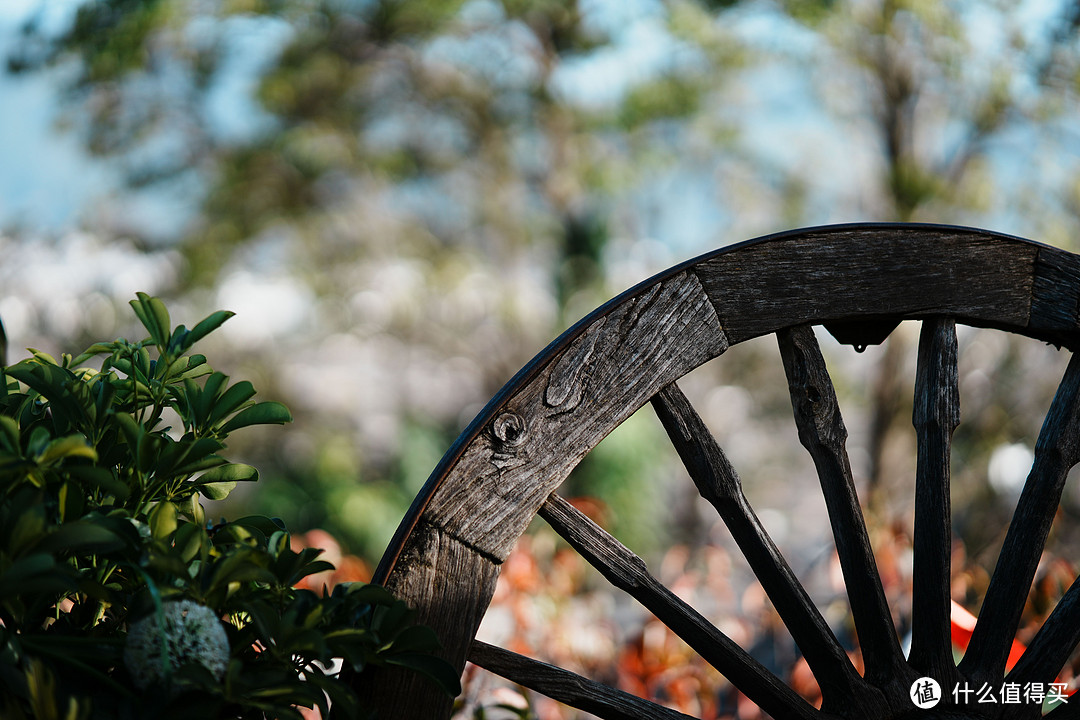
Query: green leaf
(163, 520)
(216, 483)
(261, 521)
(349, 634)
(61, 448)
(170, 564)
(72, 501)
(231, 400)
(344, 701)
(29, 527)
(142, 364)
(291, 573)
(54, 384)
(92, 351)
(214, 384)
(87, 666)
(279, 543)
(232, 472)
(98, 477)
(149, 450)
(154, 317)
(206, 463)
(131, 429)
(190, 540)
(264, 526)
(371, 594)
(217, 491)
(232, 534)
(29, 565)
(40, 437)
(83, 536)
(187, 456)
(194, 510)
(177, 340)
(416, 638)
(194, 367)
(264, 413)
(202, 400)
(9, 434)
(37, 573)
(206, 326)
(167, 469)
(243, 565)
(103, 392)
(43, 357)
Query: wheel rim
(858, 281)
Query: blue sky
(49, 183)
(45, 177)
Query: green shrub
(117, 598)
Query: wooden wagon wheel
(858, 281)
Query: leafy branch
(104, 539)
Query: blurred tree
(415, 169)
(948, 94)
(438, 186)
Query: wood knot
(509, 428)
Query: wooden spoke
(628, 572)
(719, 484)
(1052, 645)
(569, 687)
(936, 415)
(822, 432)
(1056, 451)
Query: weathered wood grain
(935, 416)
(450, 585)
(568, 687)
(1056, 451)
(822, 432)
(537, 437)
(843, 273)
(628, 572)
(1056, 296)
(716, 480)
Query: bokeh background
(405, 200)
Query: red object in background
(963, 624)
(347, 568)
